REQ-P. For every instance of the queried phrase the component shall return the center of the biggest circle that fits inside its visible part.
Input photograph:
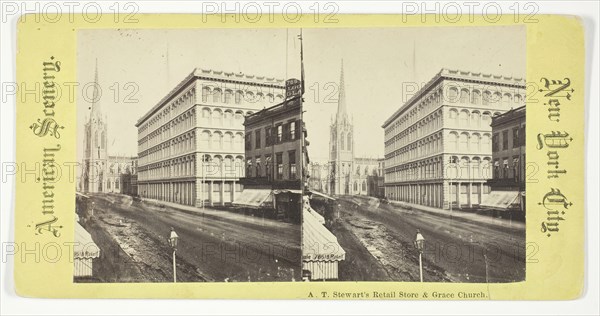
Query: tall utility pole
(302, 153)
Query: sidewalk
(457, 214)
(217, 214)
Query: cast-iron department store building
(191, 144)
(438, 147)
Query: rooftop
(460, 75)
(216, 75)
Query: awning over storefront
(502, 200)
(322, 195)
(253, 197)
(85, 247)
(318, 243)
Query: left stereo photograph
(191, 156)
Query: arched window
(475, 140)
(506, 99)
(271, 97)
(453, 116)
(518, 99)
(475, 119)
(485, 143)
(217, 117)
(228, 94)
(486, 98)
(228, 141)
(206, 116)
(355, 186)
(497, 98)
(476, 168)
(463, 142)
(452, 141)
(217, 139)
(228, 118)
(249, 97)
(205, 140)
(364, 185)
(205, 94)
(464, 96)
(452, 94)
(485, 119)
(217, 95)
(463, 118)
(476, 97)
(239, 119)
(238, 97)
(342, 141)
(238, 141)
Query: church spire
(95, 97)
(341, 110)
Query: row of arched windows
(466, 118)
(218, 140)
(426, 126)
(463, 168)
(228, 96)
(168, 112)
(178, 167)
(222, 118)
(178, 125)
(469, 141)
(476, 97)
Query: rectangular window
(279, 133)
(258, 167)
(248, 141)
(505, 140)
(268, 167)
(516, 139)
(238, 187)
(227, 187)
(216, 187)
(248, 167)
(257, 140)
(286, 135)
(496, 169)
(516, 168)
(292, 163)
(279, 160)
(495, 142)
(522, 136)
(292, 130)
(268, 136)
(505, 168)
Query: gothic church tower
(95, 153)
(341, 146)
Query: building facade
(273, 146)
(273, 150)
(101, 172)
(508, 160)
(191, 144)
(438, 145)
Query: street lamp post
(420, 244)
(173, 238)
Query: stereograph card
(379, 157)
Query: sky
(136, 68)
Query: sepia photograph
(348, 154)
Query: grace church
(347, 174)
